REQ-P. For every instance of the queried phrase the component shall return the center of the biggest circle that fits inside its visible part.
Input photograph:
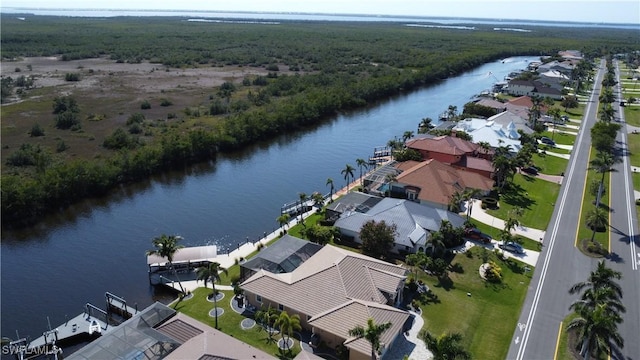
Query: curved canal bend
(55, 267)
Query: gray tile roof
(411, 219)
(347, 316)
(328, 279)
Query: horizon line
(317, 13)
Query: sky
(614, 11)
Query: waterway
(54, 268)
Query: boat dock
(87, 326)
(381, 154)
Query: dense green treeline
(343, 65)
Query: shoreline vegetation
(301, 74)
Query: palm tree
(467, 196)
(165, 247)
(212, 273)
(371, 333)
(267, 317)
(283, 220)
(602, 277)
(436, 240)
(452, 111)
(602, 164)
(425, 125)
(407, 135)
(597, 218)
(597, 329)
(287, 325)
(303, 200)
(348, 173)
(318, 199)
(512, 221)
(330, 184)
(455, 200)
(361, 163)
(445, 347)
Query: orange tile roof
(443, 144)
(438, 182)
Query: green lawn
(633, 142)
(537, 198)
(229, 322)
(488, 317)
(561, 138)
(563, 352)
(632, 115)
(550, 165)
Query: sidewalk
(479, 214)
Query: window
(258, 298)
(280, 307)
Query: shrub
(165, 102)
(67, 120)
(61, 146)
(72, 77)
(145, 105)
(493, 273)
(36, 130)
(135, 129)
(136, 118)
(273, 67)
(489, 202)
(119, 139)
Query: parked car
(564, 118)
(531, 170)
(477, 235)
(545, 140)
(512, 247)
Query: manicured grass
(561, 138)
(550, 165)
(633, 143)
(198, 308)
(583, 231)
(636, 181)
(488, 317)
(536, 197)
(310, 221)
(632, 115)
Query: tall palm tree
(212, 273)
(331, 188)
(602, 164)
(597, 218)
(446, 346)
(436, 239)
(361, 163)
(407, 135)
(283, 220)
(467, 196)
(287, 325)
(425, 125)
(597, 329)
(303, 199)
(165, 247)
(348, 173)
(452, 111)
(454, 202)
(601, 277)
(371, 333)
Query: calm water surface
(73, 257)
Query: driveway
(409, 344)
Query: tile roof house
(333, 291)
(414, 222)
(433, 183)
(455, 151)
(531, 88)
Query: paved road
(561, 264)
(625, 245)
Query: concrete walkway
(551, 153)
(564, 147)
(409, 344)
(529, 257)
(478, 213)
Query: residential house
(565, 67)
(333, 291)
(414, 222)
(489, 132)
(532, 88)
(354, 201)
(434, 183)
(507, 117)
(283, 256)
(554, 79)
(454, 151)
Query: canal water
(71, 258)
